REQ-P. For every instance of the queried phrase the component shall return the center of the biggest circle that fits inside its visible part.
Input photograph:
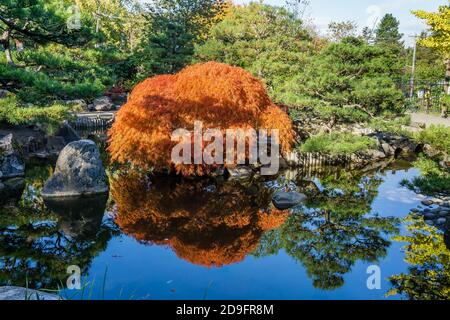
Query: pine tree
(387, 32)
(39, 21)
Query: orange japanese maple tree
(219, 95)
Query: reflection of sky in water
(393, 199)
(155, 272)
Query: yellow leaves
(439, 23)
(223, 9)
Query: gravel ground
(429, 119)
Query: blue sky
(365, 12)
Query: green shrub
(445, 101)
(438, 136)
(54, 72)
(337, 144)
(31, 86)
(350, 81)
(49, 118)
(391, 125)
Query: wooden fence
(93, 121)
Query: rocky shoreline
(435, 211)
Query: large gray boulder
(285, 200)
(80, 103)
(79, 172)
(103, 104)
(11, 163)
(374, 154)
(19, 293)
(4, 93)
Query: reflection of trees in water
(333, 230)
(428, 255)
(38, 243)
(206, 222)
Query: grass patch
(337, 144)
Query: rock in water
(19, 293)
(6, 144)
(285, 200)
(11, 163)
(79, 171)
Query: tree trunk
(446, 87)
(5, 41)
(447, 76)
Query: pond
(173, 238)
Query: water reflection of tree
(206, 222)
(428, 255)
(334, 229)
(38, 244)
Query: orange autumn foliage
(206, 223)
(220, 96)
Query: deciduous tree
(439, 38)
(219, 95)
(339, 30)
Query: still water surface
(166, 238)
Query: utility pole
(413, 68)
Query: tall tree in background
(439, 38)
(117, 22)
(39, 21)
(367, 34)
(268, 41)
(339, 30)
(387, 32)
(429, 66)
(298, 7)
(172, 29)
